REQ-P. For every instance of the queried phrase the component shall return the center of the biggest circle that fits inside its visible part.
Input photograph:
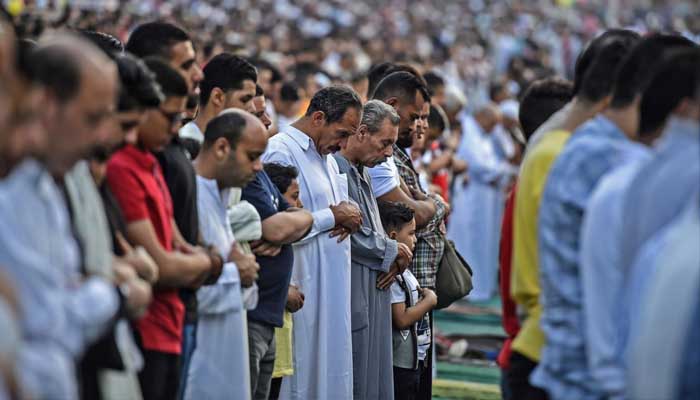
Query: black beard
(405, 141)
(192, 101)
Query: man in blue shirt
(590, 152)
(670, 179)
(661, 187)
(602, 276)
(669, 371)
(61, 312)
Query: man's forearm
(287, 227)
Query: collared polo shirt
(137, 182)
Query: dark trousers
(518, 377)
(160, 376)
(407, 382)
(275, 387)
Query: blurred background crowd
(476, 57)
(471, 43)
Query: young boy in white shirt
(410, 305)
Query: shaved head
(488, 116)
(234, 141)
(250, 119)
(80, 83)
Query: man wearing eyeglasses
(137, 181)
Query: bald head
(251, 121)
(488, 116)
(233, 144)
(62, 62)
(80, 83)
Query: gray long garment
(372, 252)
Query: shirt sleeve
(128, 191)
(397, 294)
(384, 178)
(224, 296)
(373, 249)
(601, 285)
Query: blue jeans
(189, 343)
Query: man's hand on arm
(265, 249)
(428, 296)
(340, 232)
(247, 266)
(139, 259)
(175, 269)
(137, 292)
(442, 201)
(347, 215)
(403, 260)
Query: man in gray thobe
(376, 259)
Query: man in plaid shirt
(396, 180)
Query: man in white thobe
(230, 157)
(478, 204)
(322, 329)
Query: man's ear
(362, 133)
(217, 98)
(221, 148)
(318, 118)
(392, 235)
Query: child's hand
(429, 296)
(295, 299)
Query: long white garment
(322, 329)
(477, 207)
(219, 367)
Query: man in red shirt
(542, 99)
(137, 182)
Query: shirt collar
(401, 154)
(608, 128)
(143, 158)
(302, 139)
(213, 187)
(683, 126)
(192, 131)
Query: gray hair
(375, 112)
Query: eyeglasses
(173, 117)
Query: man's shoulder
(344, 165)
(540, 158)
(279, 145)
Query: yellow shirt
(284, 356)
(525, 282)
